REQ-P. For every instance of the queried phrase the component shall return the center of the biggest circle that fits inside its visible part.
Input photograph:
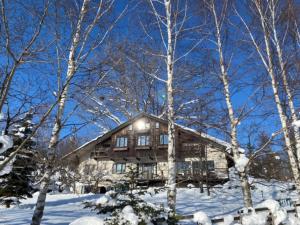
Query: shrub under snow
(202, 218)
(88, 220)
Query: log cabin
(142, 143)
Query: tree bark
(171, 122)
(283, 119)
(284, 75)
(233, 121)
(39, 209)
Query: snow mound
(88, 220)
(103, 200)
(254, 218)
(130, 216)
(228, 220)
(271, 204)
(202, 218)
(241, 163)
(6, 142)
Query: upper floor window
(119, 168)
(130, 127)
(121, 142)
(142, 125)
(143, 140)
(163, 139)
(157, 125)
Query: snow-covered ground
(227, 199)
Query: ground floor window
(199, 166)
(147, 170)
(119, 168)
(184, 168)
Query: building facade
(141, 143)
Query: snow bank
(88, 220)
(202, 218)
(6, 142)
(241, 163)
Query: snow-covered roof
(204, 135)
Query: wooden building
(141, 143)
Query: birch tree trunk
(40, 205)
(171, 122)
(233, 121)
(268, 63)
(284, 75)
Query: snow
(6, 141)
(202, 218)
(8, 167)
(225, 199)
(190, 186)
(271, 204)
(102, 200)
(296, 123)
(241, 163)
(129, 215)
(254, 218)
(228, 220)
(88, 220)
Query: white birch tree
(234, 121)
(78, 52)
(266, 56)
(171, 21)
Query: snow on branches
(241, 163)
(6, 143)
(296, 123)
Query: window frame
(162, 138)
(115, 169)
(118, 144)
(147, 142)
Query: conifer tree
(17, 183)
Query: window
(184, 168)
(142, 125)
(119, 168)
(143, 140)
(210, 165)
(130, 127)
(197, 166)
(157, 125)
(147, 170)
(163, 139)
(121, 142)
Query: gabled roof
(141, 115)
